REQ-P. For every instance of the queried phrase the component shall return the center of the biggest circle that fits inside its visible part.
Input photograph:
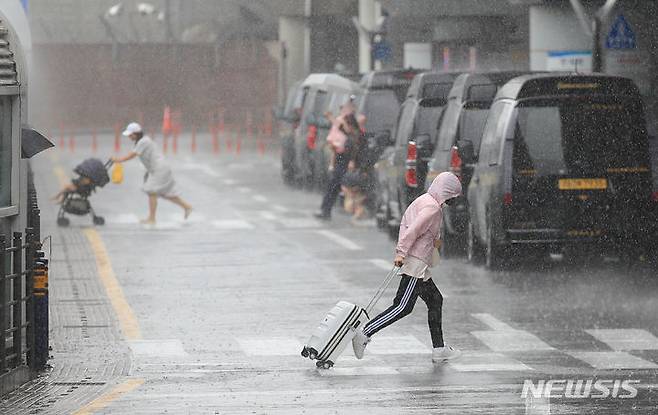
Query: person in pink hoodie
(420, 236)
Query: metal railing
(24, 295)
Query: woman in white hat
(159, 180)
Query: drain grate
(79, 383)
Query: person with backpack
(418, 241)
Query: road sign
(621, 35)
(382, 51)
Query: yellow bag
(117, 173)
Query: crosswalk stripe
(626, 339)
(244, 190)
(511, 341)
(273, 346)
(260, 198)
(492, 322)
(384, 345)
(281, 209)
(613, 360)
(267, 215)
(299, 223)
(487, 361)
(234, 224)
(359, 371)
(229, 182)
(340, 240)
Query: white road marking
(299, 223)
(485, 362)
(267, 215)
(122, 219)
(511, 340)
(358, 371)
(156, 348)
(260, 198)
(626, 339)
(273, 346)
(492, 322)
(232, 224)
(384, 345)
(613, 360)
(200, 167)
(229, 182)
(244, 190)
(340, 240)
(281, 209)
(382, 264)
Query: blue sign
(621, 35)
(24, 2)
(382, 51)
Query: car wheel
(473, 248)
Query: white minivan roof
(329, 80)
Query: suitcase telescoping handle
(380, 291)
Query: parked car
(288, 119)
(322, 92)
(463, 121)
(379, 101)
(564, 162)
(402, 167)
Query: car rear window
(381, 109)
(580, 137)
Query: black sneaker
(322, 215)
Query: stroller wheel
(62, 221)
(99, 220)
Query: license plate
(583, 184)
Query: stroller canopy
(94, 170)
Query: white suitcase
(337, 329)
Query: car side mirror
(466, 151)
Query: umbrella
(33, 142)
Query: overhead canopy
(33, 142)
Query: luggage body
(334, 333)
(337, 329)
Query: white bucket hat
(132, 128)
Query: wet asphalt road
(225, 301)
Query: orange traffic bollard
(193, 143)
(117, 138)
(72, 143)
(94, 142)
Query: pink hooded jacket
(421, 223)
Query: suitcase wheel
(312, 354)
(327, 364)
(305, 352)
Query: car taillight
(311, 136)
(507, 199)
(654, 196)
(410, 176)
(455, 163)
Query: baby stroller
(77, 202)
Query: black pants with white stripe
(408, 292)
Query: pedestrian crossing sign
(621, 35)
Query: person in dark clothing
(341, 138)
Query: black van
(564, 161)
(402, 167)
(462, 124)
